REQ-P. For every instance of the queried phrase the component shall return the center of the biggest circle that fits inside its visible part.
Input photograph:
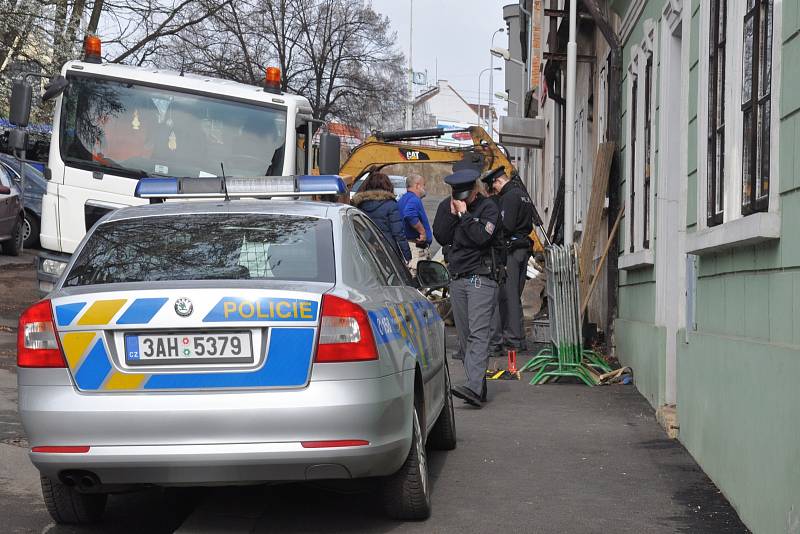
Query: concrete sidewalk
(557, 458)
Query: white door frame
(671, 186)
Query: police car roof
(323, 210)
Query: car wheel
(406, 494)
(67, 505)
(30, 231)
(443, 433)
(13, 246)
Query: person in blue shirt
(416, 227)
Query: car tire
(30, 231)
(443, 433)
(406, 494)
(68, 506)
(13, 246)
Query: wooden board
(592, 227)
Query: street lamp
(504, 96)
(487, 69)
(505, 54)
(491, 78)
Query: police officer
(467, 224)
(516, 217)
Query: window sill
(756, 228)
(636, 260)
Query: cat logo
(413, 155)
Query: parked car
(222, 343)
(35, 187)
(398, 183)
(11, 214)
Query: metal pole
(569, 152)
(491, 81)
(410, 104)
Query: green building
(707, 279)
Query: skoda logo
(183, 307)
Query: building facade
(708, 264)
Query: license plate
(176, 349)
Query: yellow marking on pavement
(119, 381)
(75, 345)
(102, 311)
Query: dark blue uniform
(469, 240)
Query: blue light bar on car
(240, 187)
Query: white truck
(114, 124)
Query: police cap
(462, 182)
(493, 175)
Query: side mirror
(17, 140)
(5, 190)
(21, 97)
(329, 147)
(432, 275)
(56, 86)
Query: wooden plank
(611, 239)
(602, 168)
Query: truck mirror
(329, 146)
(55, 87)
(21, 96)
(17, 140)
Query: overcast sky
(456, 35)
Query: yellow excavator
(382, 149)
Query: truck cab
(114, 124)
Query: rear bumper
(222, 437)
(228, 463)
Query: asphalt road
(557, 458)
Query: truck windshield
(124, 126)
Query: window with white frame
(756, 93)
(740, 64)
(716, 112)
(641, 151)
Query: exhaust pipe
(83, 480)
(88, 481)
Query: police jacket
(516, 213)
(381, 207)
(470, 238)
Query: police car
(224, 342)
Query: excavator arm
(391, 148)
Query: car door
(9, 204)
(418, 321)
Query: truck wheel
(406, 494)
(30, 231)
(13, 246)
(443, 433)
(68, 506)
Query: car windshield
(146, 130)
(212, 246)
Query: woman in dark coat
(376, 199)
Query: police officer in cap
(516, 218)
(467, 224)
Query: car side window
(5, 178)
(390, 264)
(375, 249)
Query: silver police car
(227, 342)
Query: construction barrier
(566, 355)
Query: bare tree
(339, 54)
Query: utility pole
(569, 142)
(410, 104)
